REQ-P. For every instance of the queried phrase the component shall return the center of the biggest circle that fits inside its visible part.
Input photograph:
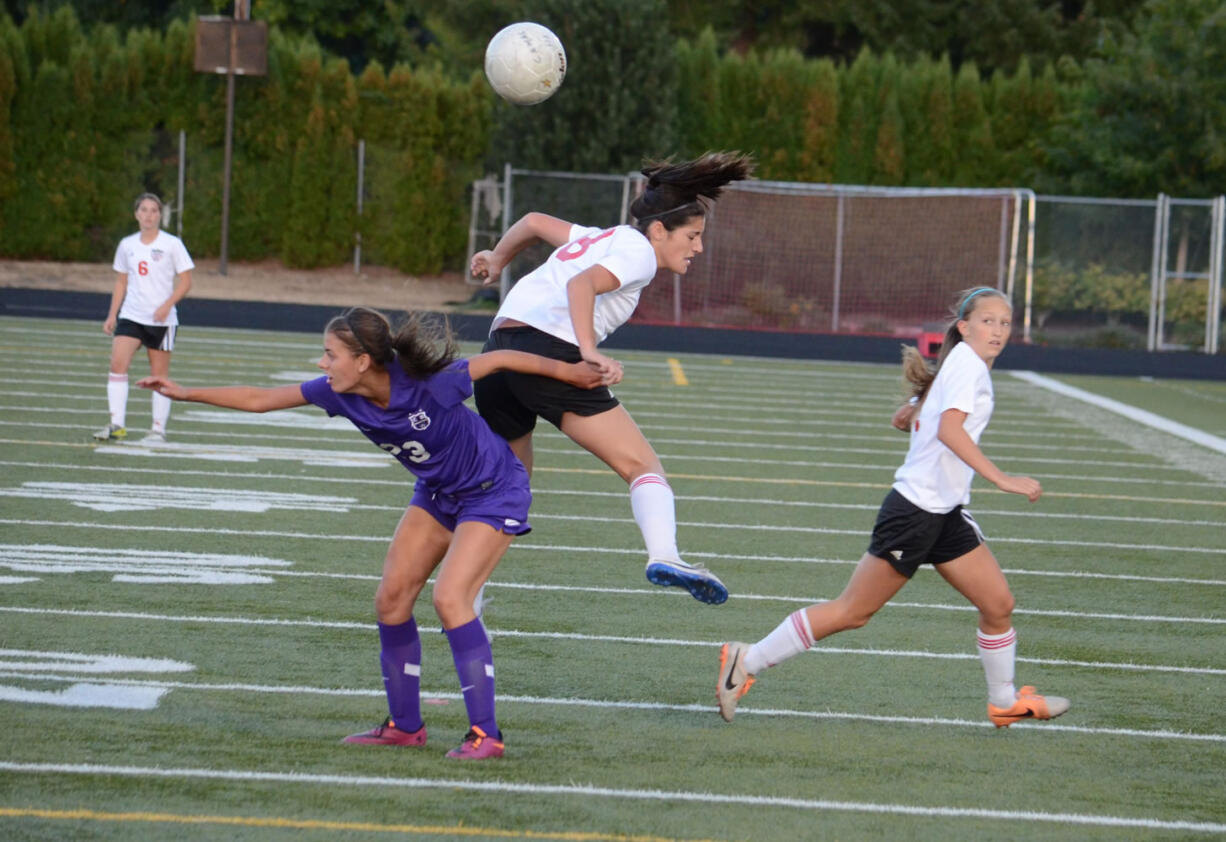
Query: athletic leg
(416, 549)
(475, 551)
(159, 365)
(123, 348)
(615, 439)
(871, 586)
(977, 576)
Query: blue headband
(967, 300)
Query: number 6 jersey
(151, 271)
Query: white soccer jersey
(539, 298)
(932, 477)
(151, 271)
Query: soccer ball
(525, 63)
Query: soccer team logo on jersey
(419, 419)
(156, 254)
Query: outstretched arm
(581, 292)
(488, 264)
(954, 436)
(246, 398)
(580, 374)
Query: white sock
(997, 651)
(791, 637)
(161, 412)
(651, 500)
(117, 397)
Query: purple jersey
(427, 427)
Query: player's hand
(163, 386)
(587, 376)
(487, 266)
(108, 327)
(607, 366)
(162, 313)
(903, 416)
(1021, 485)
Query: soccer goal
(817, 258)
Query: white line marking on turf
(1132, 413)
(267, 533)
(601, 638)
(503, 698)
(547, 492)
(593, 791)
(274, 533)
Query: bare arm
(529, 228)
(183, 284)
(121, 289)
(581, 292)
(952, 434)
(246, 398)
(579, 374)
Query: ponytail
(423, 345)
(674, 192)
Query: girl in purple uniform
(405, 390)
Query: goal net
(817, 258)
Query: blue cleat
(702, 584)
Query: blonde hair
(916, 373)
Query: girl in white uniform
(588, 288)
(154, 273)
(922, 521)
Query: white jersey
(151, 271)
(932, 477)
(539, 298)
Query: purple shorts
(504, 505)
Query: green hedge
(88, 120)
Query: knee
(998, 611)
(394, 600)
(452, 605)
(851, 616)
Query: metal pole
(1030, 216)
(838, 264)
(357, 235)
(1213, 317)
(225, 176)
(1151, 335)
(504, 280)
(182, 169)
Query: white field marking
(501, 632)
(33, 663)
(268, 533)
(894, 437)
(875, 420)
(588, 791)
(404, 483)
(369, 458)
(122, 497)
(316, 420)
(142, 566)
(87, 695)
(1132, 413)
(503, 698)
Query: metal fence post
(357, 234)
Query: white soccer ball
(525, 63)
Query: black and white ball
(525, 63)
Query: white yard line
(588, 791)
(1132, 413)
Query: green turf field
(187, 632)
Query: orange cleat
(1029, 705)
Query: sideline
(1132, 413)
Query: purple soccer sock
(400, 660)
(474, 664)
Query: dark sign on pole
(230, 46)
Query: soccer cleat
(1029, 705)
(477, 745)
(388, 734)
(733, 682)
(111, 432)
(702, 584)
(154, 437)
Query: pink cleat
(388, 734)
(477, 745)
